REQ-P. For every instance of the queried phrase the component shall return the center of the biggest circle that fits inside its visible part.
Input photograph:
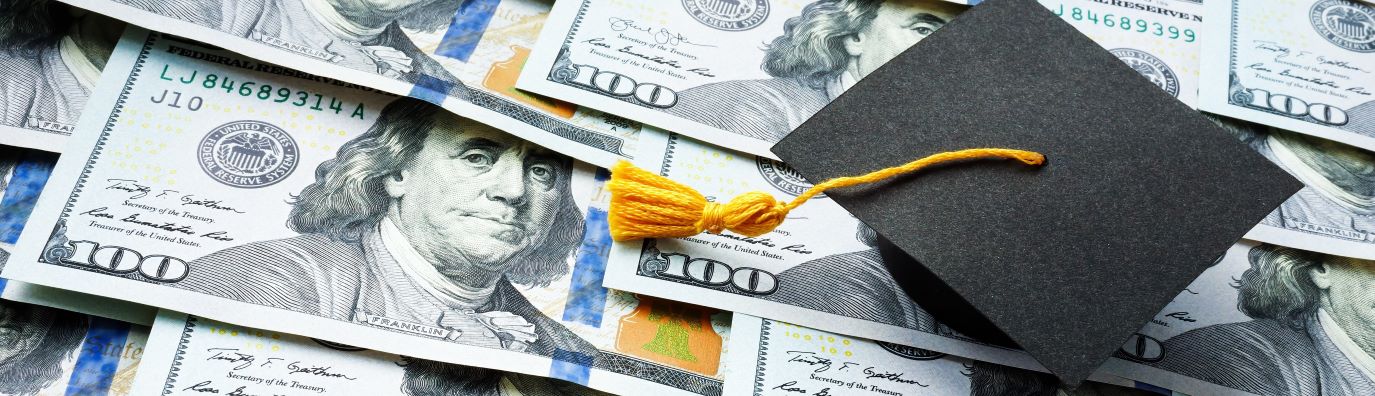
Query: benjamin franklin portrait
(1338, 199)
(363, 35)
(423, 224)
(34, 341)
(822, 52)
(51, 55)
(856, 285)
(1312, 330)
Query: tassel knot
(751, 214)
(646, 205)
(713, 218)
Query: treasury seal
(1348, 24)
(247, 154)
(1150, 67)
(913, 353)
(729, 15)
(782, 177)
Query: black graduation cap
(1139, 194)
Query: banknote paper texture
(769, 357)
(464, 55)
(821, 268)
(778, 358)
(1266, 320)
(1158, 38)
(216, 185)
(1335, 211)
(194, 356)
(50, 60)
(1306, 66)
(738, 74)
(47, 351)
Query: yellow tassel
(646, 205)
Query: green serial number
(262, 91)
(1125, 23)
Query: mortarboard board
(1139, 194)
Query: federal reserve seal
(247, 154)
(1150, 67)
(782, 177)
(913, 353)
(1348, 24)
(729, 15)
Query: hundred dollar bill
(48, 351)
(1306, 66)
(820, 269)
(205, 182)
(769, 357)
(50, 57)
(188, 355)
(464, 55)
(1266, 320)
(1157, 38)
(738, 74)
(1335, 211)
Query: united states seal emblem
(1348, 24)
(247, 154)
(782, 177)
(729, 15)
(1150, 67)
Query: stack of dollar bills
(376, 197)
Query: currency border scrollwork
(1232, 49)
(648, 248)
(657, 373)
(59, 227)
(1237, 93)
(600, 141)
(668, 153)
(562, 69)
(577, 22)
(764, 329)
(179, 355)
(57, 249)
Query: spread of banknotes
(45, 350)
(302, 197)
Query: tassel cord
(1026, 157)
(646, 205)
